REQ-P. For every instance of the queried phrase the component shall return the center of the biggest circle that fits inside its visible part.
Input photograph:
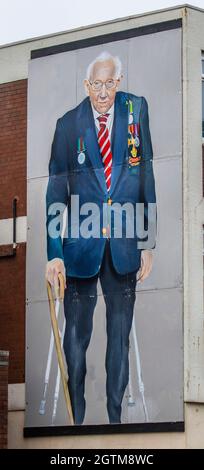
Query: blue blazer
(69, 174)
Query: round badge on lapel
(81, 158)
(137, 141)
(130, 118)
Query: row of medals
(133, 143)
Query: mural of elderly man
(102, 153)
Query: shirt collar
(96, 114)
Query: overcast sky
(23, 19)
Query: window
(203, 116)
(203, 146)
(203, 95)
(203, 106)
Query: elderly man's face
(103, 73)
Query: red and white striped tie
(105, 148)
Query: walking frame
(58, 342)
(54, 310)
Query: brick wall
(13, 131)
(13, 118)
(4, 357)
(12, 312)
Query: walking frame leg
(48, 366)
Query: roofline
(116, 20)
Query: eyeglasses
(98, 84)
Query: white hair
(104, 56)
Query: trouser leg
(119, 296)
(79, 304)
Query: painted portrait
(105, 234)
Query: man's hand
(53, 268)
(146, 265)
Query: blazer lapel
(91, 142)
(119, 141)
